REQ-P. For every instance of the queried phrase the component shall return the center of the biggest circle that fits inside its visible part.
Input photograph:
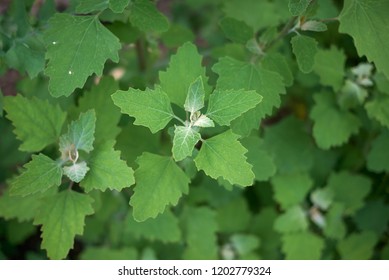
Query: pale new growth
(204, 121)
(363, 73)
(76, 172)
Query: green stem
(141, 54)
(285, 31)
(329, 19)
(179, 119)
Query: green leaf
(159, 182)
(226, 105)
(378, 157)
(40, 174)
(223, 156)
(80, 135)
(366, 21)
(177, 35)
(62, 217)
(76, 172)
(332, 126)
(107, 114)
(291, 189)
(302, 246)
(322, 198)
(185, 138)
(27, 54)
(382, 83)
(195, 98)
(290, 146)
(37, 123)
(234, 74)
(298, 7)
(150, 108)
(89, 6)
(276, 62)
(233, 216)
(314, 25)
(272, 13)
(77, 47)
(259, 158)
(293, 220)
(352, 198)
(357, 246)
(176, 80)
(204, 121)
(245, 243)
(378, 109)
(329, 65)
(130, 146)
(145, 16)
(200, 234)
(262, 226)
(104, 253)
(305, 49)
(118, 6)
(236, 30)
(107, 170)
(377, 209)
(19, 207)
(163, 228)
(335, 227)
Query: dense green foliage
(224, 129)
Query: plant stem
(285, 31)
(179, 119)
(141, 54)
(329, 19)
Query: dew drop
(70, 72)
(54, 43)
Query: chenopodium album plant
(280, 106)
(220, 156)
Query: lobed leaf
(366, 21)
(195, 98)
(184, 67)
(184, 140)
(80, 133)
(150, 108)
(77, 47)
(225, 106)
(305, 49)
(62, 218)
(37, 123)
(76, 172)
(223, 156)
(40, 174)
(107, 114)
(298, 7)
(332, 126)
(107, 170)
(145, 16)
(302, 246)
(159, 182)
(329, 65)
